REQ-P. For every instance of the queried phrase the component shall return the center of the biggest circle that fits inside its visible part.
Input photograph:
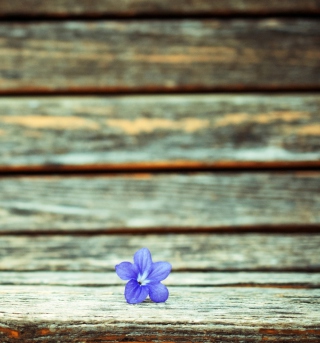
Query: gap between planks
(43, 91)
(158, 167)
(308, 229)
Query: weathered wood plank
(148, 202)
(69, 314)
(216, 279)
(63, 8)
(108, 56)
(201, 252)
(210, 130)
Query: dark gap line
(187, 90)
(164, 16)
(245, 92)
(287, 229)
(75, 171)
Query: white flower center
(142, 279)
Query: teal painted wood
(159, 131)
(160, 55)
(65, 8)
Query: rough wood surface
(216, 279)
(109, 56)
(51, 314)
(152, 130)
(63, 8)
(162, 202)
(201, 252)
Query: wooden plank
(69, 314)
(160, 202)
(216, 279)
(166, 55)
(201, 252)
(62, 8)
(142, 131)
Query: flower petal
(158, 292)
(142, 258)
(135, 293)
(159, 271)
(126, 271)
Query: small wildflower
(144, 278)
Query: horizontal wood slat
(62, 8)
(51, 314)
(155, 7)
(156, 55)
(142, 131)
(148, 202)
(216, 279)
(201, 252)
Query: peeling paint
(201, 54)
(53, 122)
(232, 119)
(144, 125)
(309, 130)
(261, 118)
(51, 54)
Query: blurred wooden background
(189, 127)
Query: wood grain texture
(63, 8)
(214, 279)
(51, 314)
(153, 130)
(110, 56)
(162, 202)
(201, 252)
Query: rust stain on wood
(145, 125)
(10, 333)
(46, 122)
(44, 332)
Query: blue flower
(144, 278)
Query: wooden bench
(188, 127)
